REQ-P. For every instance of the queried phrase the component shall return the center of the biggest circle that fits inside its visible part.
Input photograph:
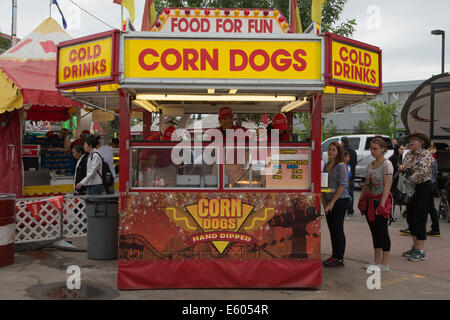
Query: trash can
(103, 226)
(7, 228)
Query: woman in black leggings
(417, 164)
(336, 204)
(376, 202)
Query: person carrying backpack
(93, 180)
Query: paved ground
(37, 273)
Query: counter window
(283, 168)
(155, 167)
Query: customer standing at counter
(336, 203)
(93, 180)
(81, 167)
(417, 164)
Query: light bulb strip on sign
(242, 21)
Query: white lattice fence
(75, 219)
(48, 227)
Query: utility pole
(14, 24)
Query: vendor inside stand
(280, 123)
(226, 121)
(235, 172)
(156, 165)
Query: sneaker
(346, 218)
(433, 233)
(334, 263)
(409, 252)
(330, 259)
(385, 268)
(405, 232)
(417, 256)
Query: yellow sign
(87, 61)
(220, 221)
(223, 59)
(355, 65)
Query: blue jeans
(94, 189)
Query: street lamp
(442, 33)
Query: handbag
(405, 189)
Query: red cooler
(7, 228)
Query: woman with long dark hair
(335, 204)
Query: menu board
(289, 169)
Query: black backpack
(106, 175)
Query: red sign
(30, 150)
(352, 64)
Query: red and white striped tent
(28, 74)
(27, 83)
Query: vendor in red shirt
(233, 171)
(156, 164)
(226, 120)
(279, 122)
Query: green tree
(382, 117)
(304, 118)
(330, 130)
(111, 128)
(4, 44)
(362, 128)
(331, 11)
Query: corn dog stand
(212, 213)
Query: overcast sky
(401, 28)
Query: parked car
(361, 144)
